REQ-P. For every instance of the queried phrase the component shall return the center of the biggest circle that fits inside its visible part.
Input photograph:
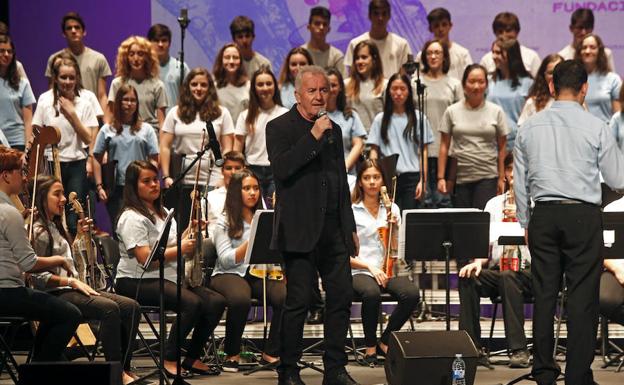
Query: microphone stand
(184, 21)
(412, 67)
(177, 186)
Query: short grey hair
(311, 69)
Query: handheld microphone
(213, 143)
(328, 133)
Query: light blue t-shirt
(11, 116)
(409, 159)
(511, 101)
(287, 94)
(226, 249)
(603, 90)
(617, 127)
(127, 147)
(350, 128)
(170, 75)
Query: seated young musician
(58, 319)
(369, 277)
(119, 316)
(140, 222)
(232, 276)
(507, 274)
(233, 162)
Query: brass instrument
(193, 267)
(85, 252)
(388, 238)
(509, 207)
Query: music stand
(443, 234)
(158, 253)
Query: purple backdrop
(35, 28)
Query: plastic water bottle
(458, 370)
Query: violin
(85, 252)
(385, 233)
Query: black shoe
(340, 377)
(483, 359)
(315, 317)
(230, 366)
(289, 377)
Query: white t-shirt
(71, 147)
(530, 58)
(216, 203)
(134, 229)
(255, 144)
(393, 50)
(188, 139)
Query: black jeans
(475, 194)
(401, 289)
(119, 318)
(331, 260)
(201, 310)
(513, 287)
(611, 298)
(267, 184)
(58, 319)
(433, 198)
(113, 205)
(565, 239)
(238, 292)
(74, 179)
(406, 191)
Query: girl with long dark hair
(141, 221)
(232, 273)
(395, 131)
(119, 316)
(264, 105)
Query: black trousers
(74, 179)
(404, 291)
(611, 298)
(58, 319)
(201, 310)
(238, 292)
(513, 287)
(406, 191)
(475, 194)
(565, 239)
(119, 318)
(330, 258)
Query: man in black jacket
(313, 226)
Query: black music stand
(442, 234)
(258, 253)
(158, 253)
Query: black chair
(7, 359)
(496, 301)
(612, 354)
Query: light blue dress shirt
(226, 249)
(409, 159)
(511, 101)
(560, 153)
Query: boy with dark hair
(323, 54)
(393, 48)
(160, 36)
(94, 68)
(506, 25)
(440, 25)
(243, 34)
(581, 24)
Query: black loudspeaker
(65, 373)
(426, 357)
